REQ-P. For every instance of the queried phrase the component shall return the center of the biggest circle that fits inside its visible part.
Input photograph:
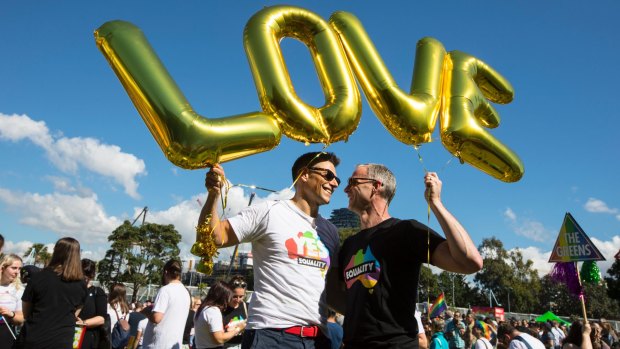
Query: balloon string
(428, 258)
(421, 160)
(428, 229)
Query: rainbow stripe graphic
(484, 328)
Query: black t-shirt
(232, 314)
(53, 304)
(328, 233)
(381, 269)
(134, 319)
(95, 305)
(189, 324)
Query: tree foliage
(428, 288)
(41, 254)
(344, 233)
(513, 280)
(138, 254)
(613, 281)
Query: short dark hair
(89, 268)
(309, 159)
(505, 329)
(173, 268)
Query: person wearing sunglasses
(380, 265)
(293, 249)
(237, 311)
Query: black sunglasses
(238, 283)
(325, 173)
(353, 181)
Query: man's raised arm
(222, 231)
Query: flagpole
(9, 327)
(581, 297)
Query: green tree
(344, 233)
(598, 304)
(555, 297)
(457, 290)
(509, 276)
(138, 254)
(524, 284)
(428, 288)
(613, 281)
(41, 254)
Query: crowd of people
(471, 332)
(303, 277)
(43, 308)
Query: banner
(573, 244)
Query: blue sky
(78, 159)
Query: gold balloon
(411, 118)
(339, 117)
(466, 112)
(187, 139)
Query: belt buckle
(301, 332)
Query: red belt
(304, 331)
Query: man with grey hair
(380, 265)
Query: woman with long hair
(93, 313)
(117, 304)
(11, 291)
(53, 298)
(578, 336)
(237, 310)
(208, 323)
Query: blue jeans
(274, 338)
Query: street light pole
(453, 300)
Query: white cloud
(69, 154)
(18, 248)
(82, 217)
(526, 227)
(599, 206)
(64, 185)
(184, 215)
(540, 258)
(509, 213)
(608, 249)
(17, 127)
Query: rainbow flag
(484, 328)
(439, 306)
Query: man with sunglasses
(380, 265)
(293, 248)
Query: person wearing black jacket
(93, 314)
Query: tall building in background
(344, 218)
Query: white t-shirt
(534, 342)
(11, 298)
(141, 328)
(558, 335)
(290, 264)
(483, 343)
(208, 321)
(173, 301)
(112, 314)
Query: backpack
(120, 332)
